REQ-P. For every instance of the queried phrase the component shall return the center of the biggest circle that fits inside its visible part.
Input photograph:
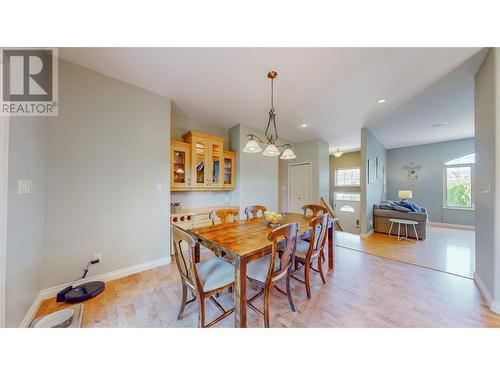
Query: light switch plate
(24, 187)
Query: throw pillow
(399, 208)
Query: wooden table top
(246, 237)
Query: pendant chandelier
(271, 134)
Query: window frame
(445, 185)
(347, 169)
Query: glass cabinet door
(180, 167)
(229, 164)
(200, 158)
(180, 155)
(216, 158)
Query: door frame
(4, 166)
(290, 180)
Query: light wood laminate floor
(362, 291)
(445, 249)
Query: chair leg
(183, 301)
(288, 290)
(307, 271)
(296, 265)
(266, 308)
(202, 313)
(320, 268)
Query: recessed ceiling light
(303, 126)
(381, 101)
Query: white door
(347, 210)
(300, 187)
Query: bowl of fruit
(273, 219)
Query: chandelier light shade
(271, 133)
(271, 150)
(338, 153)
(288, 154)
(252, 147)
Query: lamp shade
(404, 194)
(271, 150)
(252, 147)
(288, 154)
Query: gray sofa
(382, 224)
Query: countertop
(200, 210)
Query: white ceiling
(333, 90)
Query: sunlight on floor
(445, 249)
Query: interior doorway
(300, 186)
(346, 206)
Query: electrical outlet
(98, 257)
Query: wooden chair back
(224, 214)
(184, 251)
(316, 209)
(253, 211)
(286, 234)
(319, 230)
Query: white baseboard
(366, 235)
(108, 276)
(493, 305)
(449, 225)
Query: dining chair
(332, 213)
(203, 279)
(224, 214)
(316, 209)
(307, 252)
(267, 271)
(253, 211)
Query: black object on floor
(84, 292)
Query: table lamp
(404, 194)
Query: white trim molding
(4, 174)
(108, 276)
(366, 235)
(492, 304)
(453, 226)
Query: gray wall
(428, 189)
(256, 175)
(347, 160)
(25, 217)
(181, 124)
(487, 112)
(105, 154)
(371, 148)
(316, 153)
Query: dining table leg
(331, 260)
(240, 293)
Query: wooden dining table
(243, 241)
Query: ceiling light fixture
(338, 153)
(381, 101)
(272, 149)
(303, 126)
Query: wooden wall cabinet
(180, 165)
(229, 170)
(208, 166)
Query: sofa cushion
(392, 214)
(400, 208)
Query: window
(458, 182)
(347, 209)
(347, 177)
(347, 197)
